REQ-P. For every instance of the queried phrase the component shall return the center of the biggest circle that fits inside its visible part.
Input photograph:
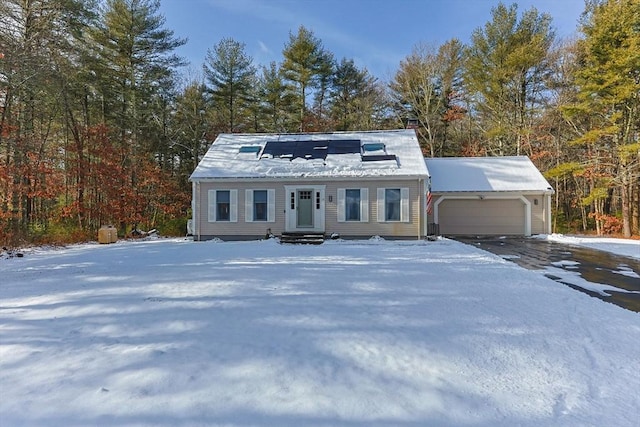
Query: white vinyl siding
(213, 206)
(403, 206)
(363, 208)
(249, 208)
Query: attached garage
(487, 196)
(486, 216)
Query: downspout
(422, 217)
(548, 204)
(196, 211)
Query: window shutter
(233, 209)
(380, 204)
(404, 204)
(248, 205)
(364, 205)
(212, 205)
(271, 205)
(341, 204)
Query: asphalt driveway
(609, 277)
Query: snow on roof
(227, 158)
(516, 173)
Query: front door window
(305, 208)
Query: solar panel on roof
(311, 149)
(278, 149)
(377, 158)
(344, 146)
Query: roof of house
(309, 155)
(516, 173)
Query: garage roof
(391, 153)
(466, 174)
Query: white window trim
(271, 204)
(342, 204)
(404, 204)
(233, 205)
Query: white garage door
(481, 217)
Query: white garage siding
(482, 217)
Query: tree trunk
(625, 193)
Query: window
(393, 205)
(353, 204)
(259, 205)
(223, 205)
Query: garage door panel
(481, 217)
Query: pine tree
(275, 99)
(354, 98)
(134, 69)
(231, 77)
(505, 69)
(305, 64)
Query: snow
(625, 247)
(509, 173)
(223, 159)
(170, 332)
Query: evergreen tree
(231, 77)
(275, 99)
(135, 64)
(354, 97)
(305, 65)
(505, 71)
(324, 79)
(189, 127)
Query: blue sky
(376, 34)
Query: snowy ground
(371, 333)
(626, 247)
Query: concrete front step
(302, 238)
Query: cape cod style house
(358, 185)
(351, 184)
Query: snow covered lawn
(626, 247)
(370, 333)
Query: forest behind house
(100, 123)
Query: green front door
(305, 209)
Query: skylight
(378, 146)
(255, 149)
